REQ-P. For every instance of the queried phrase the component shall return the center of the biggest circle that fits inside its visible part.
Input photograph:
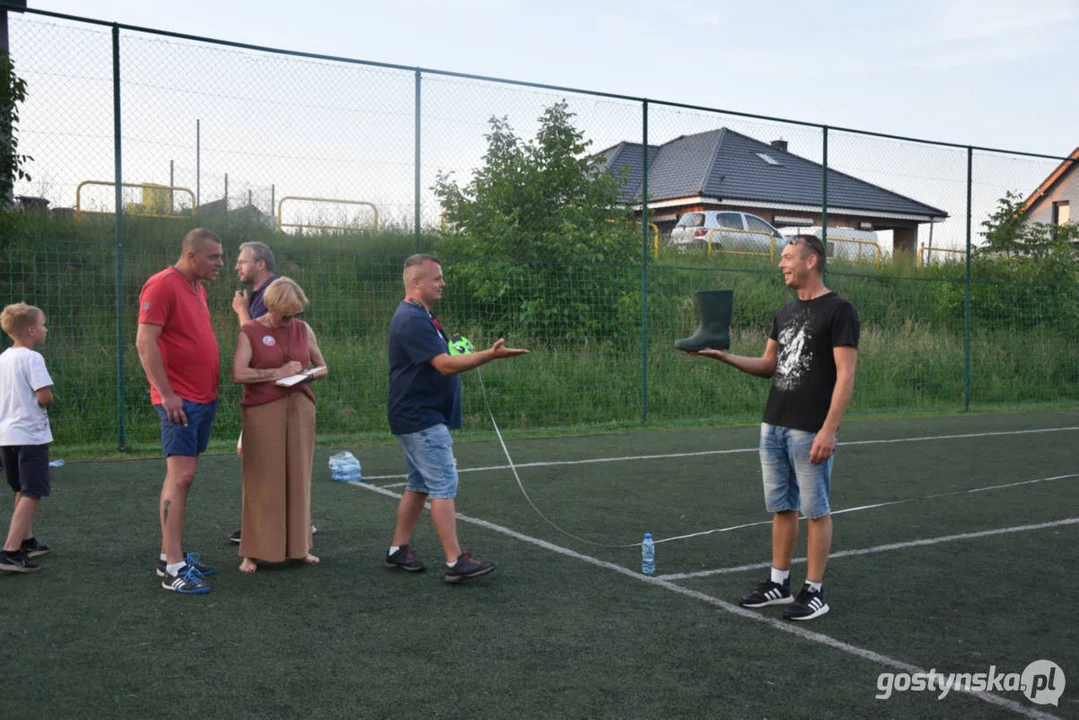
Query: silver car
(728, 231)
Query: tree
(12, 93)
(1026, 273)
(544, 199)
(1008, 233)
(552, 214)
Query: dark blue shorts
(27, 469)
(188, 440)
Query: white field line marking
(586, 461)
(879, 548)
(628, 458)
(863, 507)
(877, 505)
(776, 624)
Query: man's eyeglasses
(814, 246)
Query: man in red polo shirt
(178, 351)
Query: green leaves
(12, 93)
(543, 200)
(1008, 233)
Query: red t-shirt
(187, 341)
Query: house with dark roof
(1051, 202)
(726, 170)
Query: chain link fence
(334, 163)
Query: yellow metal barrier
(363, 228)
(731, 231)
(652, 227)
(155, 198)
(875, 246)
(925, 250)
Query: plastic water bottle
(344, 467)
(56, 463)
(648, 555)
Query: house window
(768, 159)
(1062, 212)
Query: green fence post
(644, 264)
(120, 424)
(824, 201)
(967, 362)
(417, 155)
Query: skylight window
(768, 159)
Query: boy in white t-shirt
(25, 391)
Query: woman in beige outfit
(278, 429)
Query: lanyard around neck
(434, 321)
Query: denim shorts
(791, 482)
(432, 469)
(27, 469)
(188, 440)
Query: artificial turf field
(957, 552)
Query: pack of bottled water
(344, 467)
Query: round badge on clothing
(269, 340)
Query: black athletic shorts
(27, 469)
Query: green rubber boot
(715, 308)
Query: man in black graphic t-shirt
(806, 332)
(811, 356)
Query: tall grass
(1023, 344)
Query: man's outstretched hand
(501, 351)
(711, 352)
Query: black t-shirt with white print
(807, 331)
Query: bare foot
(311, 559)
(248, 566)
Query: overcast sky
(992, 73)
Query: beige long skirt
(279, 446)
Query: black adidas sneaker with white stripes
(768, 593)
(808, 605)
(187, 581)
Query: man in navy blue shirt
(424, 405)
(255, 266)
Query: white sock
(451, 564)
(780, 576)
(164, 556)
(174, 568)
(814, 585)
(394, 548)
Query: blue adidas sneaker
(191, 560)
(188, 581)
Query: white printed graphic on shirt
(795, 357)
